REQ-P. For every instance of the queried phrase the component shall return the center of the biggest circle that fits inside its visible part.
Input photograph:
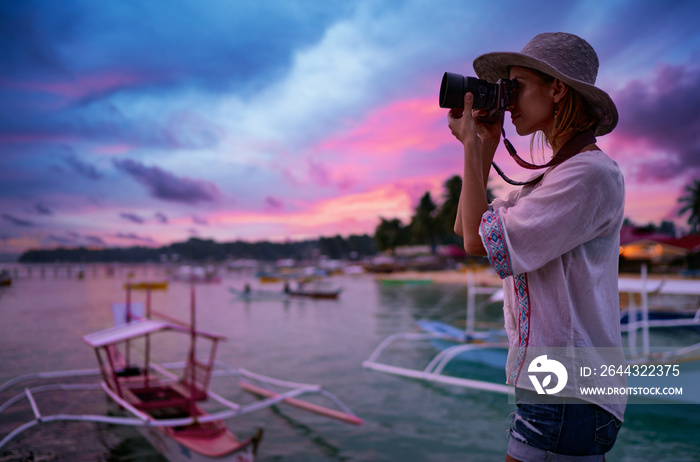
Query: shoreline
(482, 277)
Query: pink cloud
(347, 214)
(408, 125)
(406, 138)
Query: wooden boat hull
(174, 451)
(324, 295)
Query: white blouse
(556, 247)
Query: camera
(493, 97)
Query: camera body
(493, 97)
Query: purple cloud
(663, 114)
(319, 173)
(161, 217)
(199, 220)
(83, 168)
(132, 217)
(135, 237)
(17, 221)
(166, 186)
(273, 203)
(42, 209)
(95, 240)
(61, 240)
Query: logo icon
(550, 366)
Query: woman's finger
(468, 101)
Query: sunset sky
(144, 123)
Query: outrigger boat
(456, 342)
(165, 401)
(490, 347)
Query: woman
(555, 242)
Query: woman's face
(533, 106)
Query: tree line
(195, 249)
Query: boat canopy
(128, 331)
(137, 329)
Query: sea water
(44, 315)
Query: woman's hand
(466, 128)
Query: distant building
(659, 251)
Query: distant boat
(290, 274)
(316, 289)
(197, 274)
(5, 278)
(256, 294)
(147, 285)
(321, 293)
(266, 277)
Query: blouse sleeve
(576, 202)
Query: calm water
(313, 341)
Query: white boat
(489, 347)
(165, 401)
(313, 289)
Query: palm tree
(447, 214)
(423, 222)
(389, 234)
(692, 200)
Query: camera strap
(572, 147)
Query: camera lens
(452, 91)
(455, 86)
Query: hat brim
(494, 66)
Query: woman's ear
(559, 89)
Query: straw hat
(564, 56)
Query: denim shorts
(561, 432)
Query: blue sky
(144, 123)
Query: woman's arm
(480, 142)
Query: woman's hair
(573, 115)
